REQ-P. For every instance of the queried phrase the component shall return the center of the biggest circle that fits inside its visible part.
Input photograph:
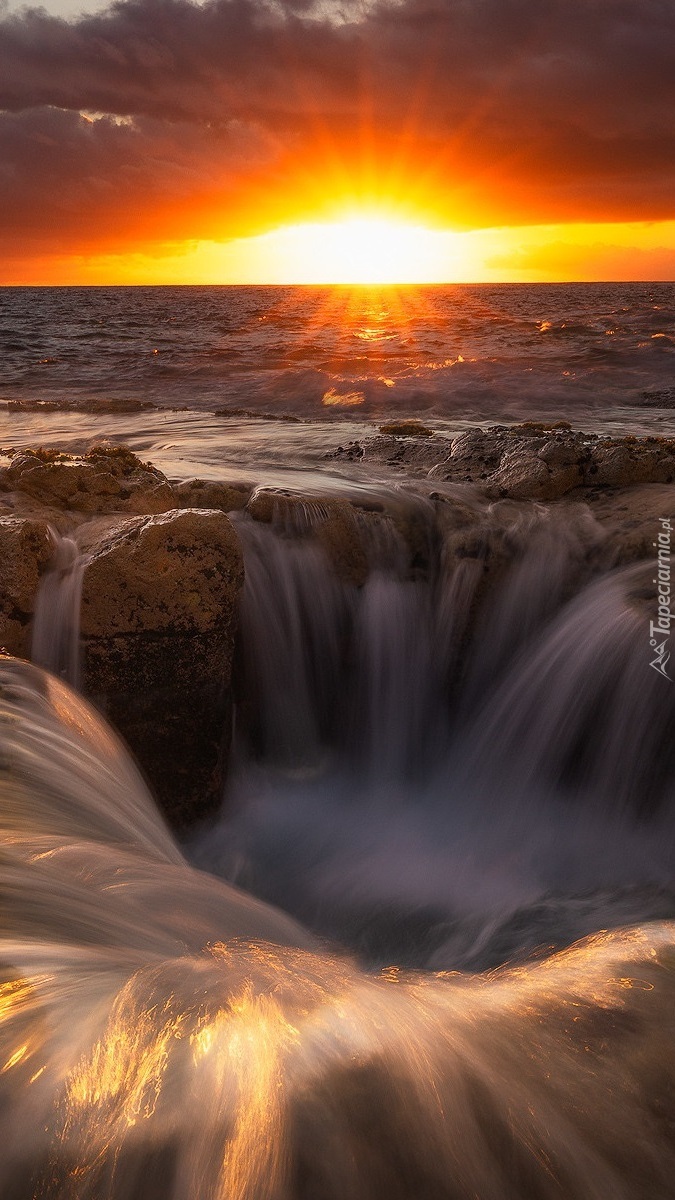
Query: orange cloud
(165, 120)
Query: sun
(361, 250)
(371, 250)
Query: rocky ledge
(158, 621)
(533, 461)
(163, 568)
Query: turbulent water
(440, 777)
(163, 1035)
(434, 771)
(334, 359)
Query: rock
(524, 462)
(103, 404)
(331, 521)
(407, 429)
(340, 536)
(562, 452)
(534, 461)
(254, 414)
(628, 461)
(267, 505)
(25, 551)
(630, 519)
(524, 475)
(419, 452)
(204, 493)
(531, 461)
(475, 455)
(106, 479)
(158, 619)
(352, 452)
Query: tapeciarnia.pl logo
(661, 626)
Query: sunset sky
(246, 141)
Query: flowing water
(310, 352)
(163, 1035)
(437, 769)
(261, 383)
(55, 642)
(445, 775)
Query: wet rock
(25, 551)
(106, 479)
(455, 512)
(268, 505)
(628, 461)
(256, 415)
(630, 520)
(331, 521)
(407, 429)
(204, 493)
(563, 452)
(340, 536)
(531, 461)
(524, 462)
(524, 475)
(101, 404)
(352, 452)
(475, 455)
(417, 453)
(539, 462)
(158, 620)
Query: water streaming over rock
(56, 622)
(445, 767)
(449, 759)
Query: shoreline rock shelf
(164, 567)
(533, 461)
(158, 622)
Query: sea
(265, 381)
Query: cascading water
(436, 773)
(56, 622)
(436, 768)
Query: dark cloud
(489, 111)
(98, 181)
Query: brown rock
(340, 536)
(630, 461)
(106, 479)
(333, 522)
(407, 429)
(25, 551)
(563, 452)
(416, 453)
(630, 518)
(475, 454)
(203, 493)
(159, 612)
(523, 475)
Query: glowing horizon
(361, 249)
(366, 249)
(208, 141)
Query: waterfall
(163, 1035)
(449, 768)
(448, 758)
(56, 622)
